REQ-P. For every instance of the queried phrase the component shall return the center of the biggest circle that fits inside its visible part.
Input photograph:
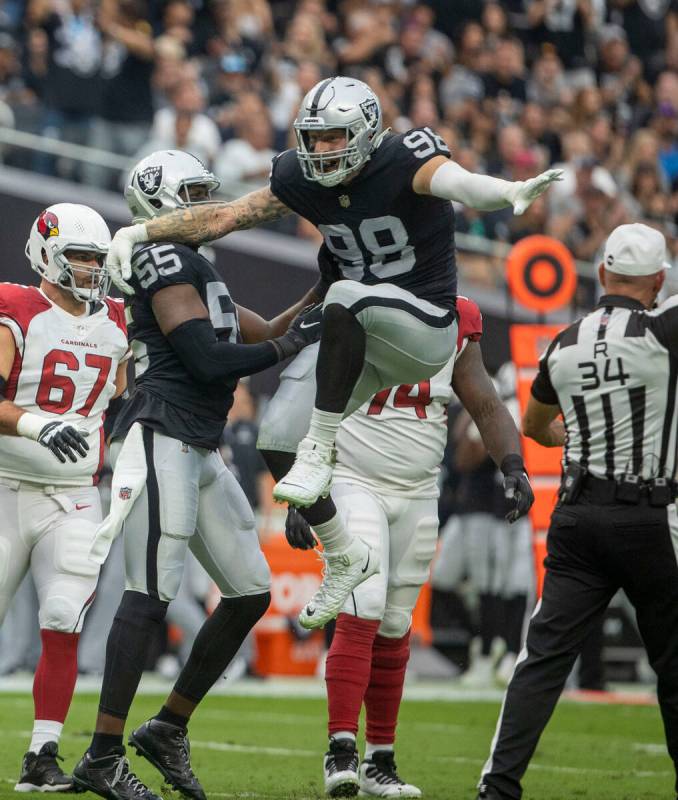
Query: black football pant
(592, 551)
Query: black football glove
(517, 489)
(63, 440)
(304, 329)
(298, 531)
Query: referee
(613, 376)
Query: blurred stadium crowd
(513, 86)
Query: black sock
(490, 609)
(103, 743)
(515, 608)
(136, 622)
(165, 715)
(340, 358)
(217, 642)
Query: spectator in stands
(126, 110)
(169, 69)
(248, 156)
(505, 86)
(305, 41)
(367, 38)
(547, 85)
(184, 126)
(70, 84)
(619, 71)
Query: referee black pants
(592, 551)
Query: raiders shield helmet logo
(149, 180)
(370, 111)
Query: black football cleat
(167, 748)
(340, 768)
(110, 777)
(41, 773)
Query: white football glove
(526, 192)
(119, 258)
(61, 438)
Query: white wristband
(30, 425)
(138, 233)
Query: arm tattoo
(204, 223)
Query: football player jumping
(62, 352)
(383, 204)
(170, 485)
(385, 488)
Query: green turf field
(270, 748)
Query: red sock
(385, 689)
(347, 671)
(55, 675)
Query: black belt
(629, 489)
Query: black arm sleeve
(3, 387)
(114, 408)
(209, 360)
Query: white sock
(333, 535)
(45, 730)
(324, 426)
(371, 749)
(343, 735)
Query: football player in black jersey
(170, 485)
(383, 204)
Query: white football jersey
(64, 369)
(394, 444)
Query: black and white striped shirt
(614, 374)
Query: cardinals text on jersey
(64, 369)
(394, 444)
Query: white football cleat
(342, 572)
(480, 675)
(310, 476)
(379, 778)
(340, 768)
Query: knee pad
(136, 607)
(62, 613)
(395, 623)
(344, 293)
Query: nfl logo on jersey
(344, 200)
(125, 493)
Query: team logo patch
(344, 200)
(125, 493)
(149, 180)
(48, 225)
(370, 109)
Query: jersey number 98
(379, 248)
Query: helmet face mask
(57, 236)
(162, 182)
(339, 105)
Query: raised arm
(443, 178)
(192, 226)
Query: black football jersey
(376, 226)
(166, 397)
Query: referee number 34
(596, 372)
